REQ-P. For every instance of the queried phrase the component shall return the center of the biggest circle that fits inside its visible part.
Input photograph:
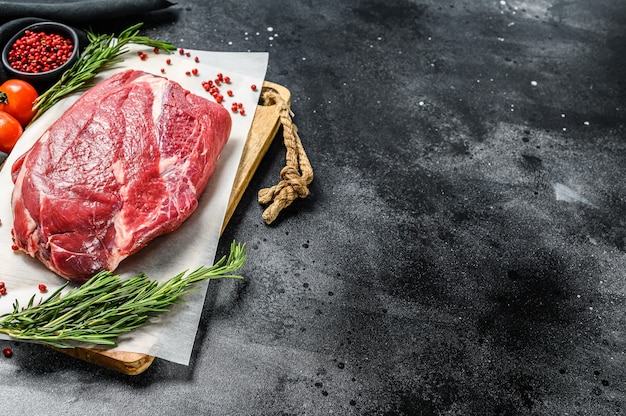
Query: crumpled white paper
(171, 336)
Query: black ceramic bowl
(40, 79)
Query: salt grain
(533, 83)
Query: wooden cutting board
(264, 127)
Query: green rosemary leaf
(106, 306)
(102, 52)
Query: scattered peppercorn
(3, 291)
(253, 87)
(212, 87)
(42, 288)
(8, 352)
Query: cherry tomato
(10, 131)
(17, 98)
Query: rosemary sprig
(106, 306)
(102, 52)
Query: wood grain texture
(264, 127)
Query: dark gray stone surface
(463, 248)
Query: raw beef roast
(125, 164)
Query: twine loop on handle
(297, 173)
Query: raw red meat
(125, 164)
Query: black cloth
(78, 11)
(10, 28)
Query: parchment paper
(171, 337)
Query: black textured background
(463, 248)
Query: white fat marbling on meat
(159, 87)
(124, 231)
(118, 171)
(166, 164)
